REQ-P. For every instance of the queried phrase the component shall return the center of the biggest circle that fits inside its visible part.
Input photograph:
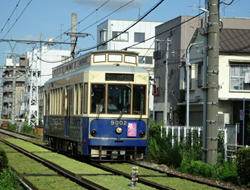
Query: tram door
(69, 109)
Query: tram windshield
(118, 99)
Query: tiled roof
(235, 41)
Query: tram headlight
(118, 130)
(142, 133)
(93, 132)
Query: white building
(40, 64)
(140, 32)
(45, 60)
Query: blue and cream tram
(97, 105)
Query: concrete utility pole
(212, 81)
(165, 116)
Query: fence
(180, 133)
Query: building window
(145, 60)
(103, 35)
(200, 74)
(239, 76)
(122, 37)
(158, 45)
(139, 37)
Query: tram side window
(98, 98)
(139, 99)
(119, 99)
(85, 102)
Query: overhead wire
(13, 11)
(79, 22)
(146, 14)
(106, 16)
(83, 19)
(18, 18)
(120, 33)
(176, 26)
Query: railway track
(82, 182)
(150, 178)
(77, 176)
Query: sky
(43, 19)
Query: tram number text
(118, 122)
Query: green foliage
(9, 181)
(5, 117)
(161, 150)
(197, 168)
(26, 129)
(227, 171)
(11, 127)
(243, 165)
(3, 160)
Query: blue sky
(47, 18)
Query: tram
(97, 106)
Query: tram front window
(119, 99)
(139, 99)
(98, 98)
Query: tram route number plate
(132, 129)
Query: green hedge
(243, 165)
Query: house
(233, 79)
(179, 36)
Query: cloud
(111, 3)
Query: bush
(9, 180)
(26, 129)
(198, 168)
(243, 165)
(227, 171)
(3, 160)
(161, 150)
(11, 127)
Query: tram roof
(102, 68)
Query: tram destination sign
(119, 77)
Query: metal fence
(180, 134)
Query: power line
(225, 3)
(103, 43)
(101, 19)
(10, 16)
(90, 14)
(18, 18)
(176, 26)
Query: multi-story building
(176, 39)
(233, 80)
(7, 77)
(179, 36)
(140, 32)
(39, 71)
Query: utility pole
(165, 116)
(204, 113)
(212, 81)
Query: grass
(24, 165)
(161, 178)
(91, 173)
